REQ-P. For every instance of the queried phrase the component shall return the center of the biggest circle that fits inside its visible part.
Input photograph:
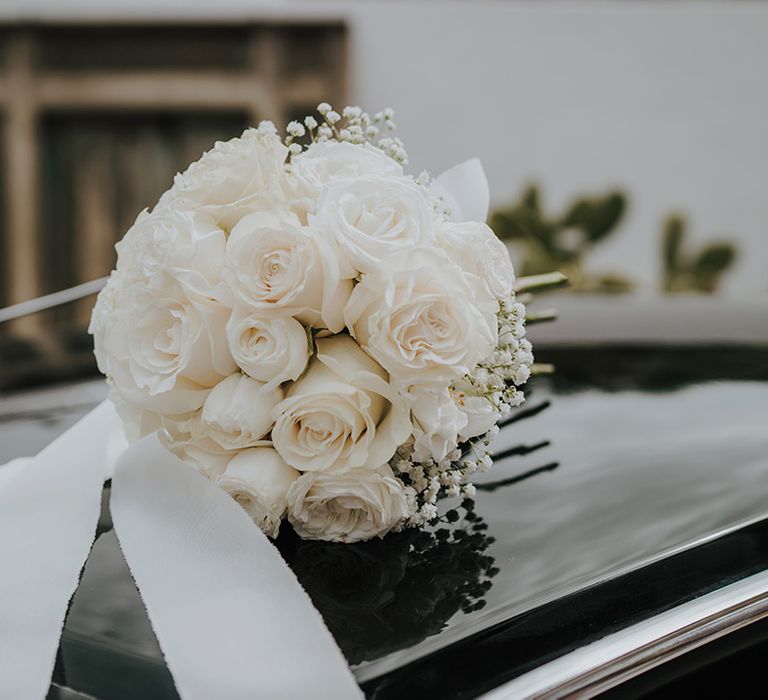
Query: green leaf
(671, 250)
(716, 257)
(597, 217)
(712, 262)
(531, 199)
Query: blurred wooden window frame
(263, 89)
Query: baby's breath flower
(402, 465)
(484, 463)
(428, 512)
(267, 127)
(352, 112)
(295, 129)
(324, 108)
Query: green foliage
(689, 271)
(597, 217)
(563, 242)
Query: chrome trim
(62, 692)
(50, 301)
(605, 664)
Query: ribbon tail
(12, 468)
(231, 618)
(49, 508)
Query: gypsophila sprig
(354, 126)
(309, 327)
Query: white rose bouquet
(314, 330)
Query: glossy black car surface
(632, 484)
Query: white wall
(667, 99)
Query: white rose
(478, 411)
(186, 437)
(477, 250)
(272, 350)
(258, 479)
(342, 413)
(236, 415)
(350, 507)
(102, 316)
(276, 267)
(422, 319)
(164, 350)
(437, 422)
(323, 162)
(238, 411)
(373, 217)
(186, 245)
(137, 422)
(234, 178)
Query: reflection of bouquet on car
(383, 595)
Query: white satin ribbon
(49, 507)
(231, 618)
(10, 469)
(464, 188)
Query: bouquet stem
(541, 316)
(544, 281)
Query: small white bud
(295, 129)
(428, 511)
(352, 112)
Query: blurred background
(625, 142)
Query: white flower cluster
(353, 125)
(304, 327)
(482, 398)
